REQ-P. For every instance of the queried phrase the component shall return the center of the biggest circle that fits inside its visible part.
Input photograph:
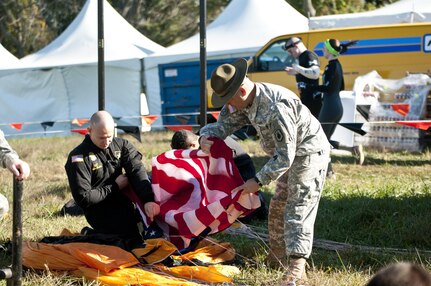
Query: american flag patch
(77, 159)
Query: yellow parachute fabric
(71, 256)
(210, 251)
(155, 250)
(130, 276)
(204, 273)
(111, 265)
(42, 256)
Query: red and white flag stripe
(194, 192)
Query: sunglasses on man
(291, 45)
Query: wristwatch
(257, 181)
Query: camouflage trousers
(293, 208)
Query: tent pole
(203, 63)
(101, 55)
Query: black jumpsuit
(92, 171)
(332, 108)
(307, 86)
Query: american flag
(194, 191)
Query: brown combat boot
(295, 275)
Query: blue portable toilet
(180, 90)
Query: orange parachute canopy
(209, 251)
(71, 256)
(130, 276)
(205, 273)
(111, 265)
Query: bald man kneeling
(95, 173)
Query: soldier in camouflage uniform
(10, 159)
(299, 154)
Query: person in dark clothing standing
(329, 94)
(333, 83)
(95, 173)
(307, 73)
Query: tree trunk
(309, 9)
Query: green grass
(386, 203)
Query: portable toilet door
(180, 90)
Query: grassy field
(381, 210)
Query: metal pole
(18, 187)
(203, 63)
(14, 275)
(101, 55)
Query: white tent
(241, 29)
(6, 57)
(403, 11)
(60, 82)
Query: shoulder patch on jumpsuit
(77, 158)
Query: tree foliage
(329, 7)
(29, 25)
(167, 21)
(23, 27)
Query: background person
(401, 274)
(307, 73)
(329, 94)
(95, 173)
(299, 154)
(9, 159)
(185, 139)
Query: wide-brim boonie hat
(226, 81)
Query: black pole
(203, 63)
(14, 274)
(17, 232)
(101, 56)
